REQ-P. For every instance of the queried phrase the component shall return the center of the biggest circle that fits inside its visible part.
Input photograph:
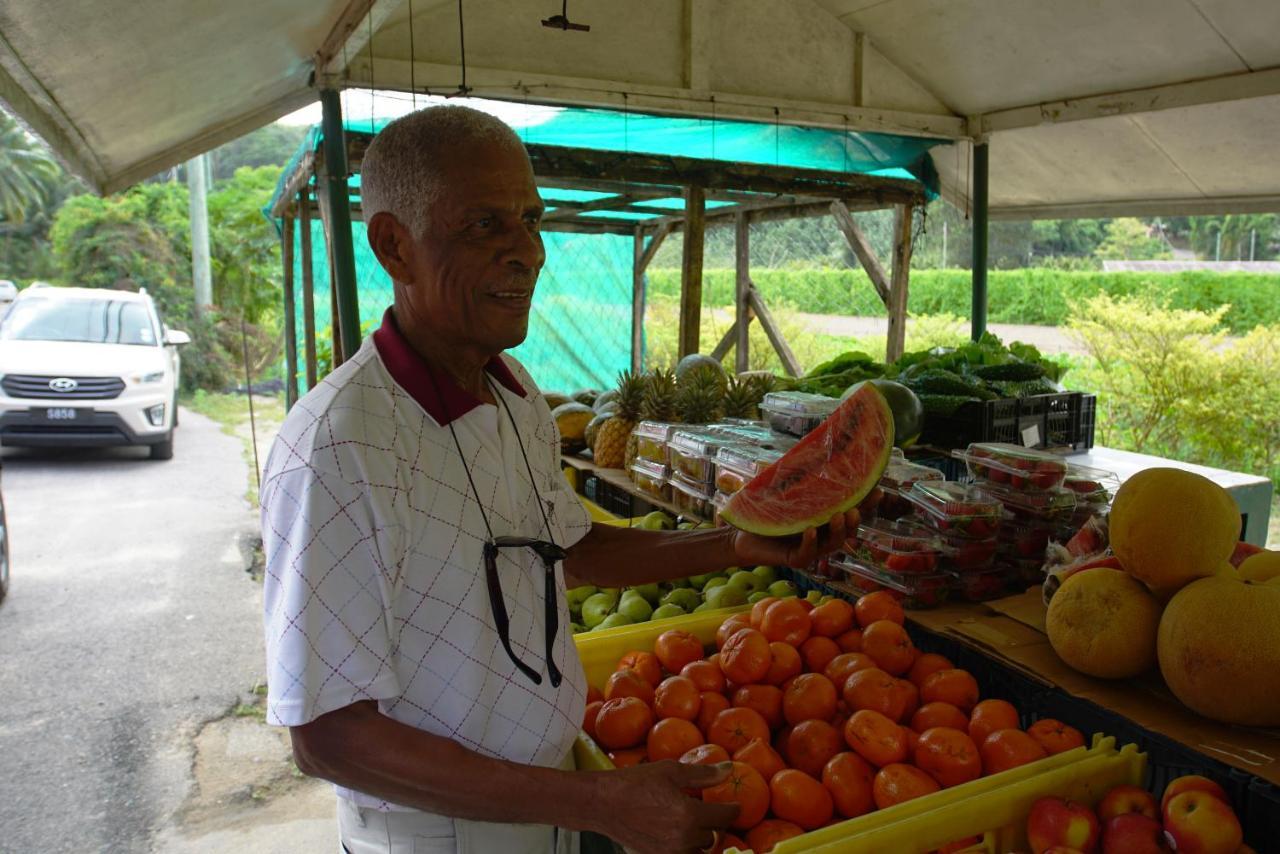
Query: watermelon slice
(831, 470)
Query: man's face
(474, 268)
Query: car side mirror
(176, 337)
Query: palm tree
(28, 175)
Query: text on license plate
(60, 413)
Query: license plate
(61, 413)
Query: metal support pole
(344, 259)
(637, 303)
(308, 288)
(980, 173)
(290, 317)
(201, 276)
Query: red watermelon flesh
(831, 470)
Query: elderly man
(418, 531)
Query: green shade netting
(580, 324)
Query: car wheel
(163, 450)
(175, 409)
(4, 553)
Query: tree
(272, 145)
(244, 245)
(28, 175)
(1239, 232)
(1128, 239)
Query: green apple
(662, 612)
(757, 596)
(651, 592)
(685, 526)
(613, 621)
(679, 582)
(783, 589)
(578, 595)
(714, 581)
(700, 581)
(684, 598)
(656, 521)
(705, 606)
(814, 596)
(767, 574)
(825, 599)
(746, 581)
(726, 596)
(596, 608)
(636, 608)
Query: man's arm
(643, 808)
(609, 556)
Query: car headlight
(146, 379)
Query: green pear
(670, 609)
(700, 581)
(576, 596)
(578, 628)
(814, 596)
(596, 608)
(685, 526)
(635, 607)
(714, 581)
(705, 606)
(680, 582)
(613, 621)
(651, 592)
(746, 581)
(656, 521)
(783, 589)
(767, 574)
(726, 596)
(684, 598)
(757, 596)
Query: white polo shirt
(375, 585)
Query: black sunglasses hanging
(547, 550)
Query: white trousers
(362, 830)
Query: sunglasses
(550, 554)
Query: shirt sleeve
(325, 597)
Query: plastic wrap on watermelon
(1089, 548)
(831, 470)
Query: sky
(360, 104)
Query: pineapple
(700, 398)
(657, 404)
(742, 398)
(611, 439)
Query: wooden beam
(655, 243)
(1207, 90)
(780, 345)
(298, 180)
(766, 213)
(349, 38)
(591, 226)
(637, 302)
(308, 291)
(862, 249)
(290, 314)
(727, 341)
(902, 222)
(569, 210)
(742, 289)
(691, 270)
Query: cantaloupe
(1103, 622)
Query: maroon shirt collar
(434, 389)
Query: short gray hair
(400, 174)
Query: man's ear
(392, 245)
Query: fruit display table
(617, 480)
(1252, 493)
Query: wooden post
(335, 326)
(742, 285)
(308, 288)
(727, 342)
(862, 249)
(789, 362)
(981, 173)
(902, 220)
(290, 312)
(637, 304)
(691, 269)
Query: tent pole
(637, 302)
(308, 288)
(980, 172)
(695, 198)
(344, 260)
(290, 319)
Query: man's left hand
(797, 551)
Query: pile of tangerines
(826, 713)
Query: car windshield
(98, 321)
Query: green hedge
(1033, 295)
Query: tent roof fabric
(1127, 106)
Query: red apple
(1133, 833)
(1066, 824)
(1187, 784)
(1196, 822)
(1128, 799)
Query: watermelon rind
(761, 508)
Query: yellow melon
(1263, 566)
(1103, 622)
(1219, 649)
(1170, 527)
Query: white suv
(88, 367)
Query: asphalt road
(130, 621)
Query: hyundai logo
(63, 384)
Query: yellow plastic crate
(992, 808)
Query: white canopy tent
(1090, 108)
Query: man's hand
(648, 811)
(798, 551)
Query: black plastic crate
(609, 497)
(1064, 420)
(1256, 801)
